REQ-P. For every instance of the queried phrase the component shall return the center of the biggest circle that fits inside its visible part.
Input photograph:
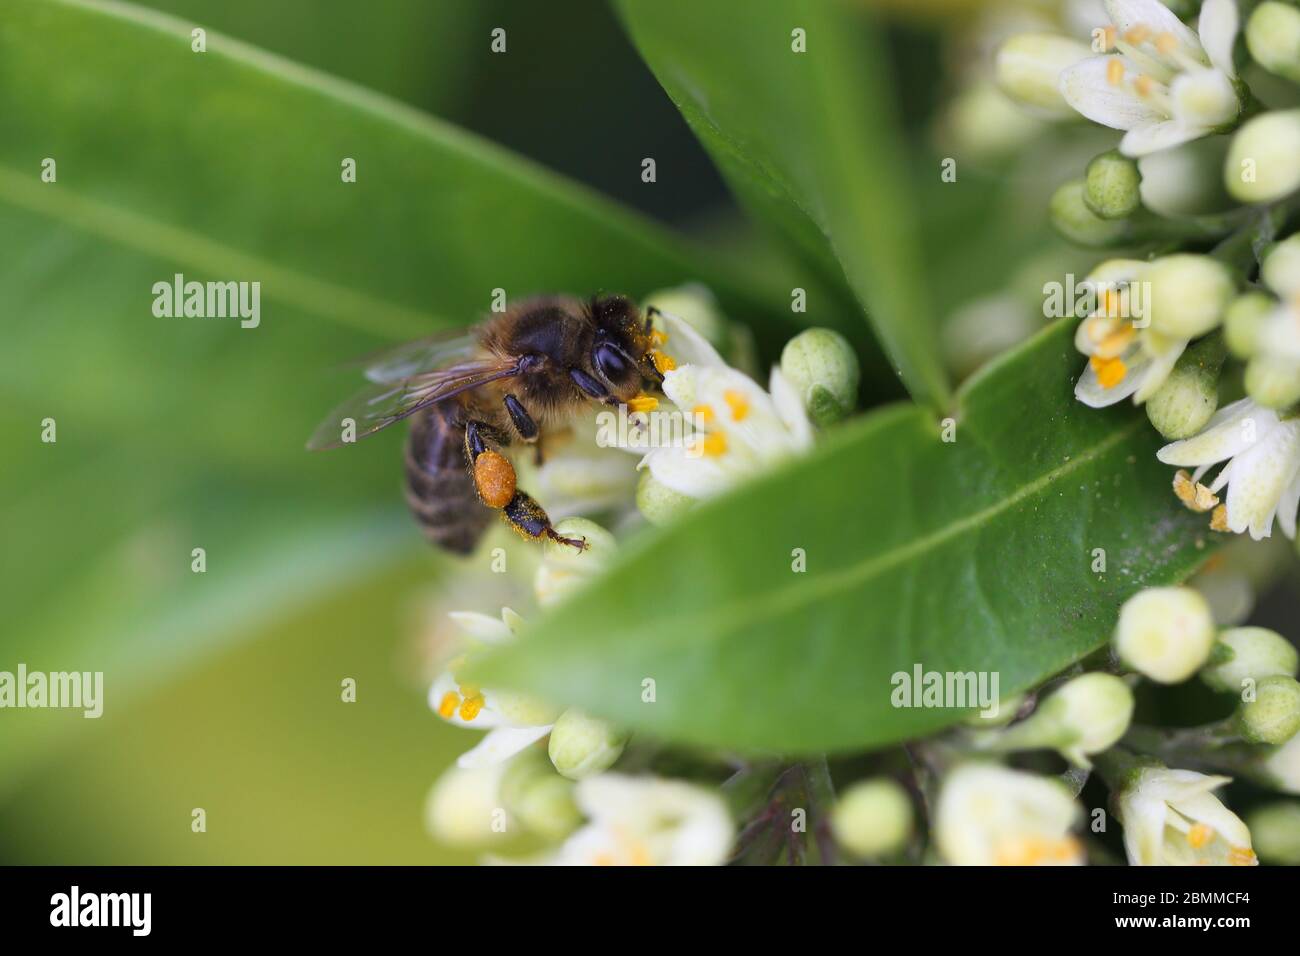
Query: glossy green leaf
(969, 555)
(808, 143)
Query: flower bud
(658, 503)
(1188, 294)
(1188, 398)
(823, 368)
(1003, 714)
(565, 569)
(1249, 653)
(1028, 68)
(1165, 634)
(538, 797)
(1242, 320)
(1282, 766)
(872, 818)
(1273, 717)
(1263, 162)
(1273, 382)
(1281, 267)
(1111, 186)
(1186, 180)
(1275, 832)
(1273, 38)
(1072, 218)
(582, 746)
(1086, 715)
(464, 808)
(695, 305)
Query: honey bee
(472, 393)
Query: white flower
(988, 815)
(646, 821)
(1165, 85)
(513, 721)
(1171, 818)
(1123, 359)
(1263, 470)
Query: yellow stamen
(471, 706)
(657, 337)
(1143, 85)
(447, 706)
(705, 412)
(1116, 342)
(1032, 851)
(714, 444)
(1110, 372)
(1166, 42)
(1108, 35)
(643, 403)
(1115, 71)
(469, 690)
(1194, 495)
(1219, 520)
(1200, 835)
(1241, 856)
(1138, 34)
(738, 404)
(662, 361)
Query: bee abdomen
(439, 487)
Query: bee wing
(381, 404)
(416, 358)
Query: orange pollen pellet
(447, 706)
(494, 477)
(738, 404)
(1115, 71)
(643, 403)
(471, 706)
(1110, 372)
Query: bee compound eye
(611, 362)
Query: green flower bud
(658, 503)
(1273, 382)
(1281, 266)
(582, 746)
(1188, 294)
(1241, 322)
(1189, 396)
(1275, 832)
(1249, 653)
(1186, 180)
(1086, 715)
(1263, 162)
(823, 368)
(538, 797)
(695, 305)
(565, 569)
(1165, 634)
(1273, 38)
(873, 818)
(1027, 68)
(1273, 717)
(1111, 186)
(1006, 712)
(1072, 218)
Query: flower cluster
(1201, 192)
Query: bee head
(619, 348)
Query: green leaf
(227, 164)
(809, 145)
(970, 555)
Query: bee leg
(650, 313)
(494, 479)
(525, 426)
(527, 517)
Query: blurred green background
(223, 689)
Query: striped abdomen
(439, 486)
